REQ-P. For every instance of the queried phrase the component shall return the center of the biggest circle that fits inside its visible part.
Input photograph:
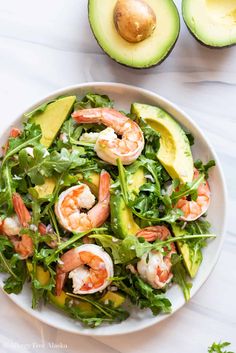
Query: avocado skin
(132, 67)
(207, 45)
(199, 40)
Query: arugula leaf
(94, 101)
(180, 275)
(7, 186)
(199, 226)
(43, 164)
(204, 168)
(149, 298)
(14, 284)
(218, 347)
(187, 189)
(123, 251)
(13, 265)
(152, 140)
(30, 136)
(142, 294)
(97, 312)
(40, 109)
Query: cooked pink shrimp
(108, 146)
(89, 267)
(154, 267)
(195, 209)
(154, 232)
(11, 227)
(71, 201)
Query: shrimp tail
(104, 186)
(153, 233)
(69, 261)
(100, 212)
(88, 115)
(60, 281)
(21, 210)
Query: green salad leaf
(97, 314)
(41, 164)
(180, 275)
(218, 347)
(92, 100)
(152, 140)
(11, 263)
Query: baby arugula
(218, 347)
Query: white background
(47, 44)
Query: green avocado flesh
(174, 152)
(53, 117)
(146, 53)
(184, 249)
(213, 22)
(121, 216)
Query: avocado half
(149, 52)
(212, 22)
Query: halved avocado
(143, 54)
(53, 117)
(122, 220)
(174, 152)
(212, 22)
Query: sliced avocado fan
(146, 53)
(212, 22)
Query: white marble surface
(47, 44)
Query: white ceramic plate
(123, 96)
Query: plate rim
(175, 107)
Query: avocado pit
(134, 20)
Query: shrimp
(154, 232)
(71, 201)
(195, 209)
(89, 267)
(108, 146)
(15, 132)
(11, 226)
(154, 267)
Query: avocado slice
(122, 220)
(212, 22)
(116, 299)
(45, 190)
(174, 152)
(185, 251)
(92, 180)
(146, 53)
(42, 276)
(53, 117)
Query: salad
(101, 210)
